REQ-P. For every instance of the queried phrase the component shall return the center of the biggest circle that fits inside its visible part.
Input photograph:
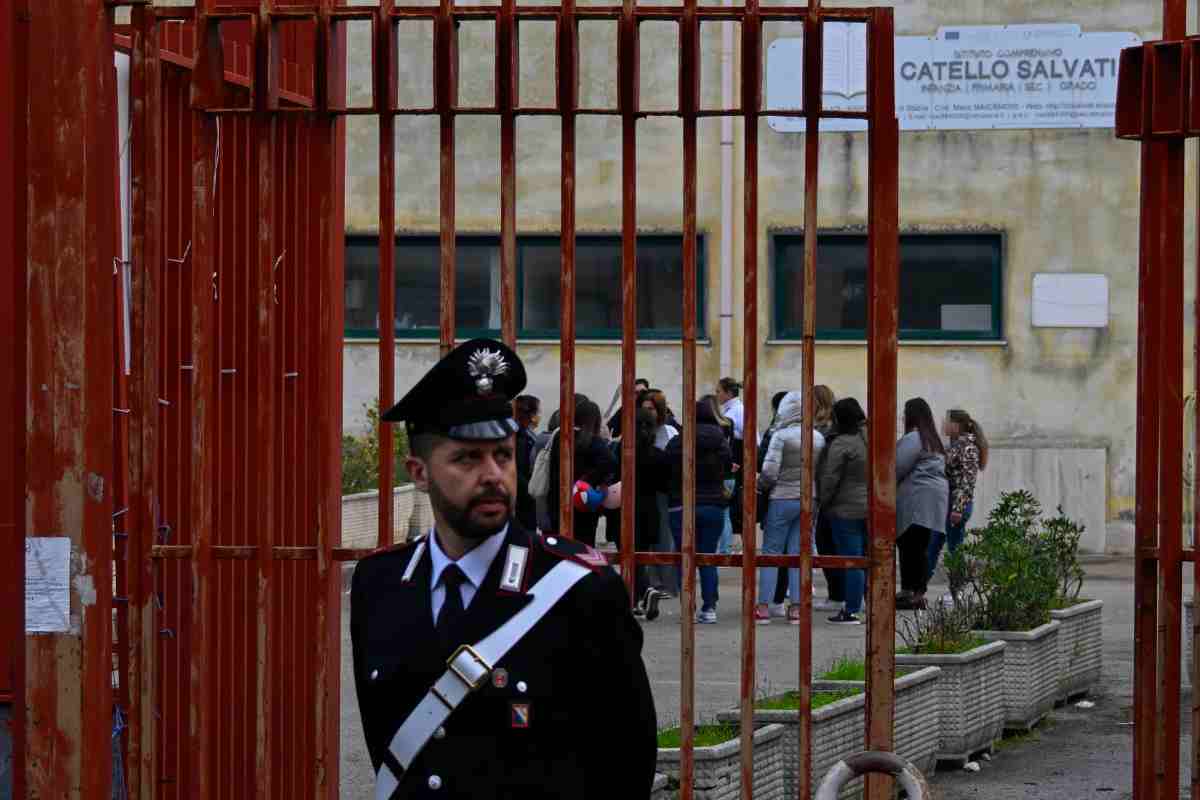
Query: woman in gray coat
(922, 498)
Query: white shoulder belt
(469, 668)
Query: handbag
(539, 479)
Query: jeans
(953, 536)
(850, 539)
(781, 536)
(725, 545)
(834, 578)
(710, 520)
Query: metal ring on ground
(846, 770)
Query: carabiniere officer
(491, 662)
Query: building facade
(992, 219)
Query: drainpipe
(726, 327)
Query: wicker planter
(838, 729)
(970, 694)
(660, 789)
(718, 769)
(1189, 613)
(1030, 673)
(1080, 648)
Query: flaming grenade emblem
(484, 365)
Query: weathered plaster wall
(1065, 201)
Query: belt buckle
(470, 651)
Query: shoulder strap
(469, 668)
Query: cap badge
(484, 365)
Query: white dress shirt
(474, 565)
(736, 413)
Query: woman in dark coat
(594, 463)
(652, 478)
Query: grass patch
(706, 736)
(791, 700)
(846, 668)
(945, 648)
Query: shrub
(1063, 535)
(942, 629)
(360, 455)
(1009, 567)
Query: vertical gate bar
(507, 97)
(205, 369)
(813, 49)
(689, 100)
(751, 102)
(145, 201)
(568, 96)
(69, 420)
(1145, 688)
(14, 38)
(331, 171)
(446, 98)
(264, 394)
(386, 92)
(627, 76)
(883, 206)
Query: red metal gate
(231, 571)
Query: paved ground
(1077, 754)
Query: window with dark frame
(950, 286)
(477, 286)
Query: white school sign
(962, 78)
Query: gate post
(72, 231)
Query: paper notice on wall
(47, 584)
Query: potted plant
(1010, 573)
(717, 761)
(838, 721)
(1080, 635)
(970, 689)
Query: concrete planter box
(660, 789)
(838, 729)
(1030, 673)
(970, 694)
(1189, 616)
(1080, 647)
(718, 769)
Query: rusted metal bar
(385, 87)
(445, 82)
(567, 80)
(751, 97)
(689, 101)
(507, 98)
(14, 39)
(264, 396)
(201, 494)
(813, 81)
(883, 323)
(67, 490)
(627, 103)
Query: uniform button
(552, 541)
(435, 782)
(374, 674)
(522, 687)
(440, 733)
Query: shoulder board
(399, 549)
(574, 551)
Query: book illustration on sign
(845, 65)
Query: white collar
(730, 403)
(475, 564)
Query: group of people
(934, 495)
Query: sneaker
(707, 617)
(777, 610)
(762, 616)
(845, 619)
(793, 615)
(650, 604)
(637, 611)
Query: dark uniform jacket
(589, 731)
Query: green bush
(1011, 567)
(942, 629)
(360, 455)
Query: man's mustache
(503, 497)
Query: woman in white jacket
(783, 475)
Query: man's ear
(418, 470)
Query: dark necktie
(452, 605)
